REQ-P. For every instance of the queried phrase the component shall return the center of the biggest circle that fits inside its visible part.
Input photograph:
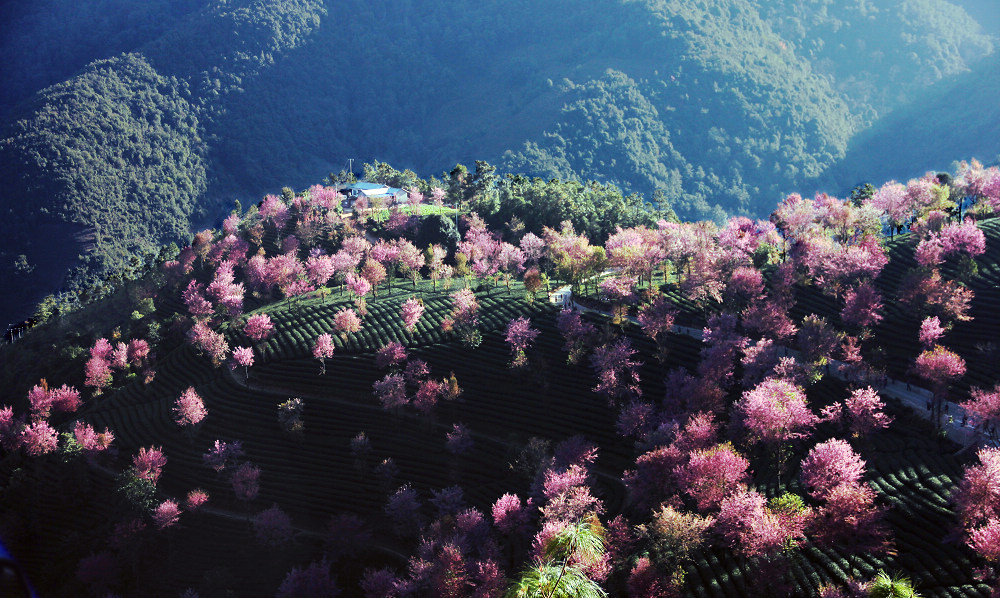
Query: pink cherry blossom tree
(510, 262)
(403, 510)
(209, 342)
(862, 307)
(775, 413)
(459, 440)
(759, 361)
(409, 260)
(198, 306)
(65, 399)
(138, 352)
(195, 499)
(10, 428)
(617, 373)
(243, 357)
(619, 291)
(391, 355)
(359, 287)
(850, 520)
(533, 248)
(313, 581)
(429, 390)
(40, 401)
(374, 272)
(817, 340)
(148, 463)
(91, 442)
(657, 319)
(189, 409)
(712, 474)
(978, 502)
(346, 322)
(323, 350)
(464, 317)
(390, 391)
(984, 408)
(931, 332)
(166, 514)
(927, 292)
(259, 327)
(245, 481)
(745, 286)
(865, 413)
(223, 455)
(227, 293)
(520, 336)
(769, 317)
(655, 477)
(985, 540)
(510, 515)
(38, 438)
(410, 312)
(272, 527)
(755, 529)
(578, 334)
(831, 464)
(320, 269)
(98, 367)
(939, 366)
(893, 201)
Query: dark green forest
(133, 123)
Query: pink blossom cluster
(390, 391)
(578, 333)
(148, 463)
(323, 350)
(391, 355)
(410, 312)
(346, 321)
(44, 401)
(223, 455)
(189, 409)
(776, 411)
(210, 342)
(245, 480)
(258, 327)
(617, 373)
(520, 336)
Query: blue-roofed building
(368, 189)
(372, 190)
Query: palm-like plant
(559, 574)
(884, 586)
(554, 581)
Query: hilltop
(306, 394)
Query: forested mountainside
(117, 114)
(930, 128)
